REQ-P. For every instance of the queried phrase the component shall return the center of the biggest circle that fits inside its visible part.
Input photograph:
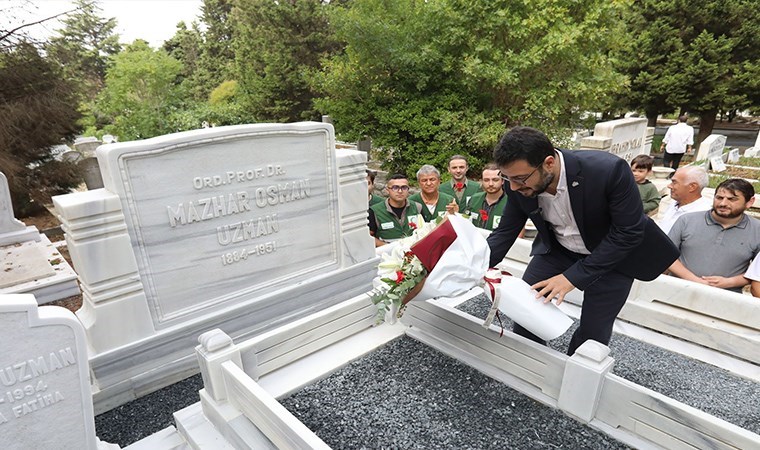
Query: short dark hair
(683, 118)
(490, 166)
(371, 174)
(463, 158)
(642, 162)
(523, 143)
(398, 176)
(738, 185)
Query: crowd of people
(594, 219)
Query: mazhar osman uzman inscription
(241, 202)
(219, 219)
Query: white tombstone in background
(46, 402)
(242, 228)
(623, 137)
(712, 146)
(733, 156)
(12, 231)
(86, 145)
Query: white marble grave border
(235, 396)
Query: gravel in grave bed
(408, 395)
(697, 384)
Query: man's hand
(725, 283)
(453, 207)
(557, 286)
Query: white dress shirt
(556, 210)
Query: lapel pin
(575, 183)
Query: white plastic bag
(462, 265)
(518, 301)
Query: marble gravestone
(29, 263)
(626, 138)
(45, 398)
(243, 227)
(711, 147)
(12, 231)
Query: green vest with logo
(440, 207)
(463, 196)
(390, 227)
(476, 204)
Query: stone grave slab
(623, 137)
(29, 263)
(45, 399)
(243, 227)
(22, 263)
(712, 146)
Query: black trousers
(672, 160)
(602, 300)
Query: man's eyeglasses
(399, 188)
(518, 180)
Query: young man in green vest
(389, 220)
(434, 203)
(485, 208)
(459, 186)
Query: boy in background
(641, 166)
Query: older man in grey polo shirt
(718, 245)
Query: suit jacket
(608, 211)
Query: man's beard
(541, 188)
(728, 214)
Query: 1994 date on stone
(243, 254)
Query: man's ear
(751, 202)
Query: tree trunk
(651, 118)
(706, 123)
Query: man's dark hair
(683, 118)
(523, 143)
(491, 166)
(371, 174)
(453, 157)
(738, 185)
(398, 176)
(642, 162)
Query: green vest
(375, 199)
(389, 227)
(477, 203)
(463, 196)
(440, 207)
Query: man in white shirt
(678, 140)
(686, 191)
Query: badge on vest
(386, 226)
(496, 220)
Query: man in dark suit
(592, 231)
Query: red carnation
(483, 215)
(399, 276)
(458, 187)
(412, 225)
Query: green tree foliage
(429, 79)
(84, 44)
(37, 111)
(141, 96)
(278, 48)
(217, 57)
(701, 62)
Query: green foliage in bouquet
(408, 275)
